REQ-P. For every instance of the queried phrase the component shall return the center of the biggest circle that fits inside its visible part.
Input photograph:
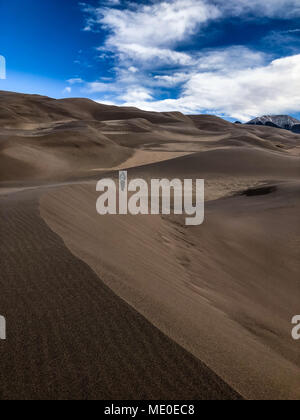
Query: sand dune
(175, 312)
(69, 336)
(225, 291)
(42, 139)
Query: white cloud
(75, 81)
(230, 58)
(172, 79)
(158, 24)
(95, 87)
(68, 90)
(105, 102)
(166, 22)
(137, 95)
(283, 9)
(149, 32)
(112, 2)
(242, 94)
(221, 60)
(156, 56)
(133, 69)
(148, 44)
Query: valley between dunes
(142, 306)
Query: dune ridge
(47, 140)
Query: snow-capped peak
(281, 121)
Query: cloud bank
(155, 70)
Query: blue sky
(237, 59)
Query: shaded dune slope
(69, 336)
(238, 161)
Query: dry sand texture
(144, 298)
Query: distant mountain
(279, 121)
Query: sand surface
(144, 307)
(225, 291)
(70, 336)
